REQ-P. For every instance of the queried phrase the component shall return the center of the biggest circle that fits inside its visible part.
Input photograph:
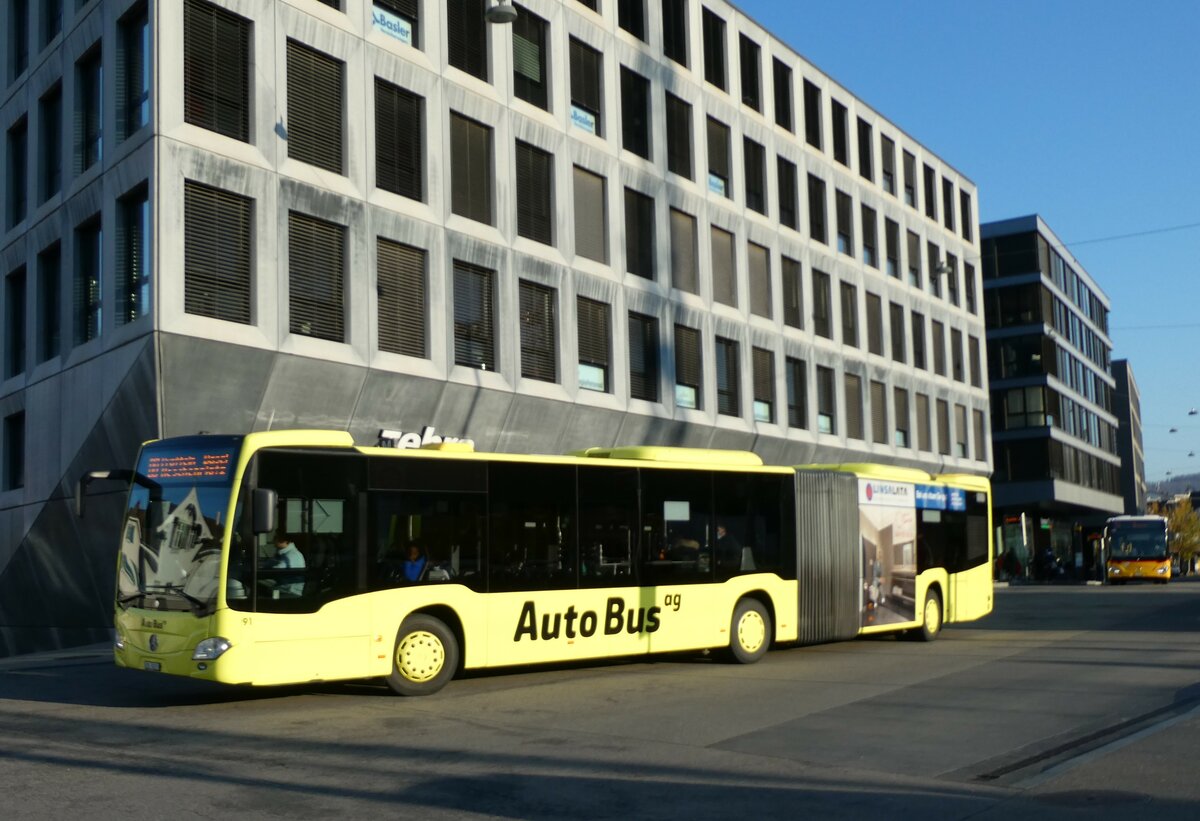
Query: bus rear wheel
(931, 626)
(425, 657)
(749, 631)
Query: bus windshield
(174, 521)
(1137, 540)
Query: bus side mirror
(264, 503)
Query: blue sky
(1086, 112)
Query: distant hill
(1176, 484)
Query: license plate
(152, 666)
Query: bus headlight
(1161, 570)
(210, 649)
(1114, 569)
(119, 642)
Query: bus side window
(532, 543)
(608, 525)
(677, 527)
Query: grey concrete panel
(536, 425)
(395, 401)
(590, 427)
(475, 412)
(309, 393)
(208, 385)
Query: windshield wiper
(177, 589)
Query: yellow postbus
(295, 556)
(1136, 547)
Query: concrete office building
(607, 222)
(1054, 431)
(1127, 405)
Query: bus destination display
(200, 465)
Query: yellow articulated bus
(1137, 547)
(295, 556)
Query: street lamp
(500, 12)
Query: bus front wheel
(931, 624)
(749, 631)
(425, 657)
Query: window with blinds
(754, 161)
(909, 167)
(470, 169)
(879, 432)
(938, 340)
(217, 253)
(969, 286)
(960, 430)
(675, 39)
(719, 181)
(980, 436)
(789, 205)
(687, 367)
(16, 163)
(89, 113)
(900, 401)
(535, 187)
(782, 76)
(887, 150)
(943, 427)
(813, 132)
(713, 30)
(683, 252)
(866, 149)
(759, 263)
(474, 316)
(845, 223)
(591, 216)
(918, 339)
(854, 406)
(639, 234)
(923, 430)
(466, 37)
(89, 285)
(635, 113)
(874, 324)
(539, 344)
(316, 277)
(841, 138)
(822, 304)
(408, 28)
(796, 372)
(724, 271)
(314, 105)
(956, 355)
(216, 69)
(594, 344)
(133, 75)
(826, 400)
(399, 140)
(679, 136)
(530, 82)
(975, 363)
(632, 18)
(643, 357)
(891, 247)
(898, 329)
(750, 61)
(586, 88)
(403, 307)
(762, 363)
(870, 237)
(934, 261)
(816, 209)
(793, 293)
(728, 398)
(133, 255)
(914, 260)
(849, 302)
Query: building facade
(1127, 404)
(1054, 430)
(605, 223)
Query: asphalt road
(1067, 702)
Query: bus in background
(296, 556)
(1136, 547)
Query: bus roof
(894, 473)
